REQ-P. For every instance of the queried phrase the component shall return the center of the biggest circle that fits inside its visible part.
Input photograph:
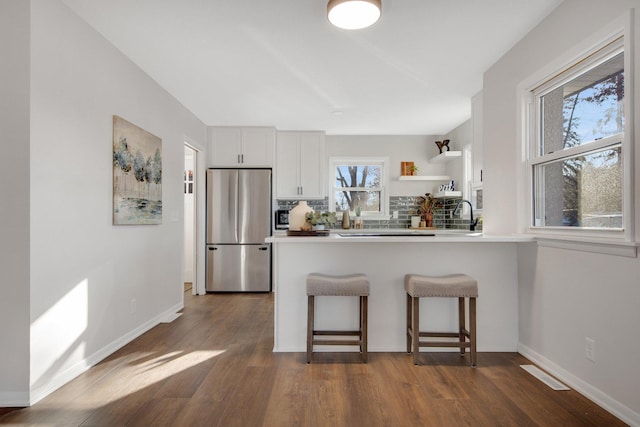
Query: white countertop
(416, 236)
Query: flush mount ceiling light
(353, 14)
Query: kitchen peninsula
(386, 259)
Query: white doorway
(190, 219)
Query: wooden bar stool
(326, 285)
(458, 286)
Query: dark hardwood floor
(213, 366)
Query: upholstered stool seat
(458, 286)
(347, 285)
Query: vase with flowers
(426, 206)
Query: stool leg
(310, 327)
(415, 328)
(461, 323)
(364, 313)
(472, 330)
(360, 308)
(408, 323)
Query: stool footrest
(464, 333)
(340, 333)
(444, 344)
(336, 342)
(440, 334)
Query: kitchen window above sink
(359, 185)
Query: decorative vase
(346, 222)
(429, 219)
(296, 215)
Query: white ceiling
(280, 63)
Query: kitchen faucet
(472, 222)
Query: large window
(359, 184)
(577, 159)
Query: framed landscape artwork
(137, 175)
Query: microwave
(282, 219)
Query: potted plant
(319, 220)
(426, 206)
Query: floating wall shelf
(445, 194)
(445, 157)
(424, 178)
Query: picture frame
(137, 175)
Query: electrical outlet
(395, 214)
(134, 306)
(590, 349)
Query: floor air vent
(544, 377)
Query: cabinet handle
(239, 159)
(242, 157)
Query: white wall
(417, 149)
(564, 295)
(14, 201)
(459, 137)
(85, 272)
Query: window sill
(621, 248)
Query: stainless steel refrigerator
(238, 221)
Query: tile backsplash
(406, 207)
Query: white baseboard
(621, 411)
(83, 365)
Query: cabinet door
(287, 166)
(257, 146)
(312, 164)
(225, 144)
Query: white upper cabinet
(241, 146)
(300, 165)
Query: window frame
(532, 129)
(383, 162)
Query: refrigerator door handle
(262, 248)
